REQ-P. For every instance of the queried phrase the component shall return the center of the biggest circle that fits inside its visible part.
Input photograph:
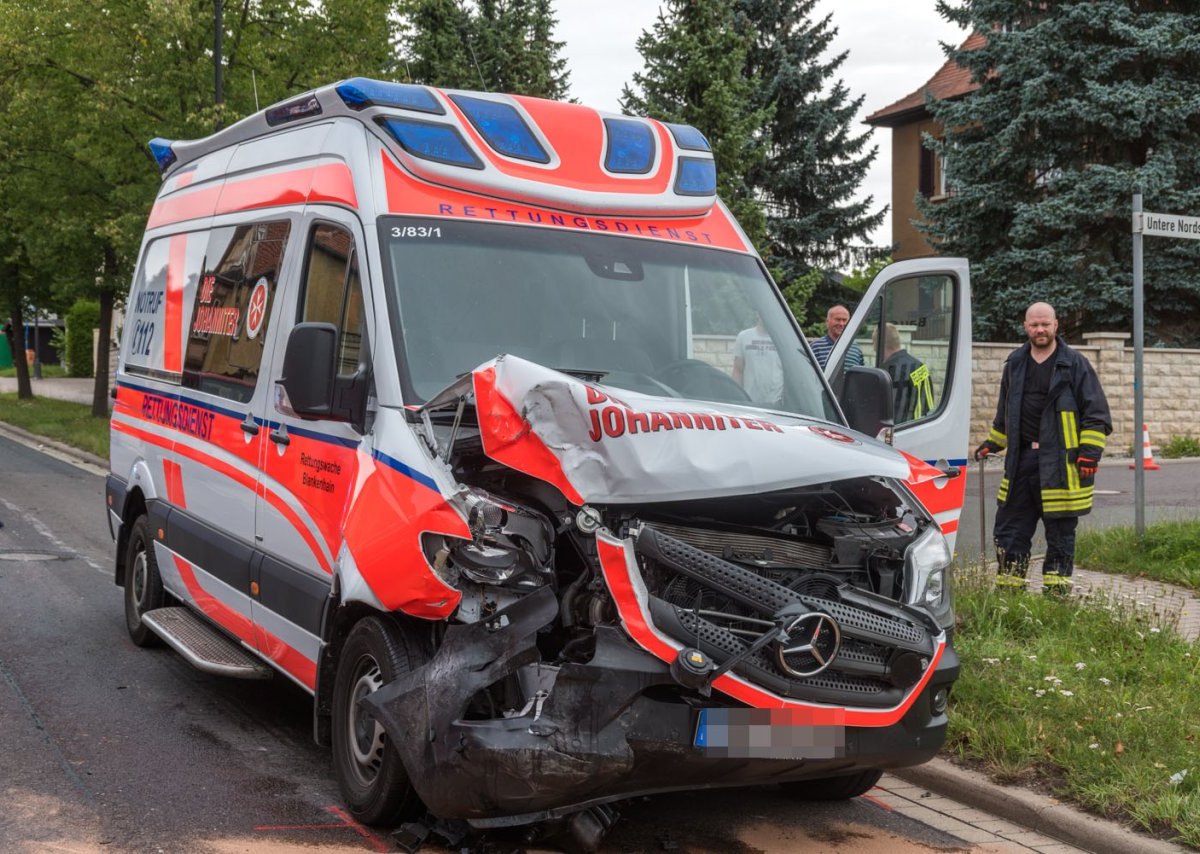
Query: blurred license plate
(750, 734)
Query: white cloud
(893, 47)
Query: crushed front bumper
(609, 729)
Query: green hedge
(83, 317)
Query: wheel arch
(135, 505)
(339, 620)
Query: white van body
(478, 417)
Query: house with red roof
(916, 169)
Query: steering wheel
(699, 379)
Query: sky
(893, 48)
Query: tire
(373, 780)
(143, 584)
(834, 788)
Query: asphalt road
(1172, 493)
(107, 747)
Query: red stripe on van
(287, 658)
(176, 282)
(329, 182)
(214, 608)
(240, 477)
(174, 478)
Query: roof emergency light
(688, 137)
(300, 108)
(696, 177)
(163, 155)
(630, 146)
(503, 128)
(361, 92)
(431, 141)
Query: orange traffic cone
(1148, 463)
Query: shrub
(83, 317)
(1180, 446)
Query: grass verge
(47, 370)
(70, 423)
(1083, 697)
(1170, 552)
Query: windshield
(643, 315)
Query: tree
(695, 73)
(814, 164)
(1080, 101)
(494, 45)
(89, 84)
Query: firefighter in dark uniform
(1054, 419)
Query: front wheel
(143, 584)
(834, 788)
(372, 778)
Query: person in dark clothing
(1054, 418)
(912, 390)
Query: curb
(1037, 812)
(60, 450)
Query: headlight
(927, 575)
(510, 545)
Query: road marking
(38, 526)
(346, 823)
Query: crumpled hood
(603, 445)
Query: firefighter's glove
(988, 447)
(1088, 461)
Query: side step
(204, 647)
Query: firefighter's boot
(1011, 570)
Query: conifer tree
(1079, 102)
(494, 45)
(695, 64)
(814, 164)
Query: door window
(333, 291)
(909, 333)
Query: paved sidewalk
(61, 388)
(1167, 605)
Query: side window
(908, 333)
(333, 291)
(228, 328)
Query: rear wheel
(143, 584)
(372, 778)
(834, 788)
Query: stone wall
(1171, 378)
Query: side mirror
(308, 369)
(866, 399)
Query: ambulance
(478, 417)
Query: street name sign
(1166, 225)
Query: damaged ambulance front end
(662, 593)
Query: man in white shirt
(756, 365)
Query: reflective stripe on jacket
(1076, 415)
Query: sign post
(1155, 225)
(1139, 470)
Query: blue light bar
(688, 137)
(430, 141)
(696, 177)
(300, 108)
(161, 149)
(503, 128)
(630, 146)
(361, 92)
